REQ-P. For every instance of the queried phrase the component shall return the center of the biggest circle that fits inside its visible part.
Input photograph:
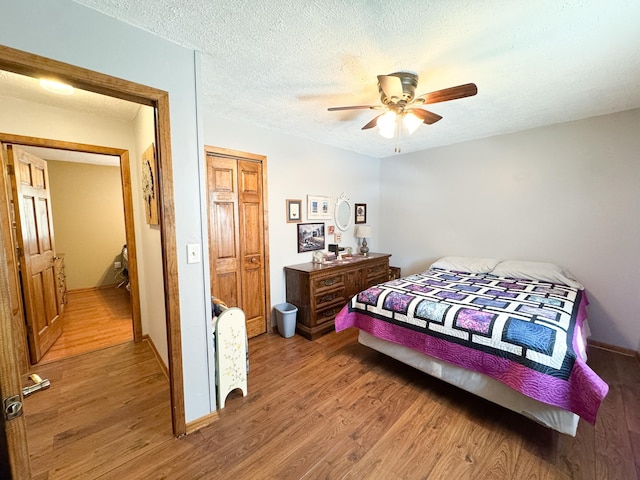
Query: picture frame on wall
(150, 185)
(319, 207)
(310, 237)
(294, 211)
(361, 213)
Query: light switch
(193, 253)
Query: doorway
(34, 65)
(123, 157)
(89, 225)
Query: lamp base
(364, 250)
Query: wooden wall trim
(202, 422)
(614, 348)
(170, 262)
(163, 366)
(267, 263)
(15, 297)
(227, 152)
(24, 63)
(134, 281)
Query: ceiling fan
(397, 94)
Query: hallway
(93, 319)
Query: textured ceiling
(281, 64)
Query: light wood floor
(93, 319)
(327, 409)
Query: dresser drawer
(328, 282)
(377, 274)
(328, 314)
(326, 299)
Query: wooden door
(224, 249)
(14, 432)
(252, 245)
(35, 238)
(237, 240)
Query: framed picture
(150, 185)
(294, 211)
(318, 208)
(310, 237)
(361, 212)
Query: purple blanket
(522, 333)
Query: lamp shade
(363, 231)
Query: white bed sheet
(479, 384)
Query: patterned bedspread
(523, 333)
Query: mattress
(478, 384)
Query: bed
(511, 332)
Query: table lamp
(363, 232)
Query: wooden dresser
(321, 290)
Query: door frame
(127, 197)
(24, 63)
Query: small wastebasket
(286, 319)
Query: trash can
(286, 319)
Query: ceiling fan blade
(391, 86)
(372, 123)
(446, 94)
(355, 107)
(425, 115)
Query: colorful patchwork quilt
(524, 333)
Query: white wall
(71, 33)
(566, 193)
(149, 244)
(297, 168)
(88, 221)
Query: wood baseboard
(202, 422)
(614, 348)
(147, 338)
(91, 289)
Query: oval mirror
(342, 212)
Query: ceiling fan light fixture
(397, 95)
(56, 87)
(411, 122)
(387, 124)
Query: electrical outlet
(117, 265)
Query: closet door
(237, 239)
(252, 245)
(224, 248)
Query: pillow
(545, 272)
(466, 264)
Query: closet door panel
(224, 250)
(252, 245)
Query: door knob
(12, 407)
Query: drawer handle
(328, 282)
(328, 297)
(329, 313)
